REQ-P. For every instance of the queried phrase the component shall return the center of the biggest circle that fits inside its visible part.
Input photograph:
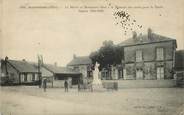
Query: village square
(79, 58)
(143, 76)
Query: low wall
(58, 83)
(180, 83)
(143, 83)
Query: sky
(58, 32)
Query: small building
(81, 64)
(149, 56)
(57, 75)
(19, 72)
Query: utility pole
(6, 68)
(39, 66)
(39, 72)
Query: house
(149, 56)
(19, 72)
(57, 75)
(81, 64)
(179, 64)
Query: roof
(45, 72)
(143, 39)
(179, 60)
(23, 66)
(80, 60)
(59, 70)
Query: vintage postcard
(91, 57)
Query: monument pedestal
(98, 87)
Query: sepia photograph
(91, 57)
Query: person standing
(66, 86)
(45, 84)
(78, 85)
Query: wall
(29, 77)
(13, 74)
(57, 84)
(143, 83)
(83, 70)
(149, 51)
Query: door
(160, 73)
(139, 74)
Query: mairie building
(150, 56)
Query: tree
(107, 55)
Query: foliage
(108, 54)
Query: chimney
(55, 64)
(74, 56)
(6, 67)
(134, 36)
(6, 58)
(150, 34)
(41, 59)
(140, 37)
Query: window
(124, 73)
(33, 78)
(22, 77)
(160, 53)
(25, 77)
(138, 56)
(89, 74)
(37, 77)
(139, 74)
(76, 68)
(29, 77)
(160, 72)
(12, 74)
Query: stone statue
(97, 83)
(96, 75)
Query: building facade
(81, 64)
(57, 75)
(19, 72)
(150, 56)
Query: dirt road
(33, 101)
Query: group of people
(45, 85)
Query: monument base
(98, 87)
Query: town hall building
(149, 56)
